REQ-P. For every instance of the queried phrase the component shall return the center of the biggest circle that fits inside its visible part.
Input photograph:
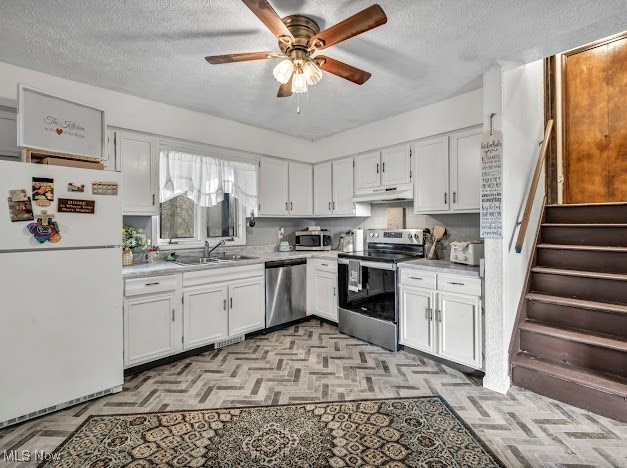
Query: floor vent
(58, 407)
(229, 342)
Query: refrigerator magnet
(43, 191)
(104, 188)
(44, 229)
(18, 195)
(20, 210)
(71, 187)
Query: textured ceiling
(429, 50)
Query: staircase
(571, 338)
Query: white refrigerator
(60, 303)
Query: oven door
(371, 313)
(309, 242)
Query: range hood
(386, 194)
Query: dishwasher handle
(286, 263)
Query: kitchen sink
(193, 260)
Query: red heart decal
(59, 131)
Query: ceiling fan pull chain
(298, 104)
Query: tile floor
(314, 362)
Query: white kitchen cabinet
(150, 330)
(247, 310)
(205, 317)
(443, 323)
(431, 191)
(300, 189)
(459, 318)
(396, 165)
(8, 134)
(139, 161)
(273, 187)
(368, 171)
(465, 164)
(325, 295)
(342, 202)
(323, 189)
(417, 328)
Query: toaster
(468, 253)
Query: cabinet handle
(377, 168)
(291, 206)
(151, 284)
(333, 205)
(153, 199)
(231, 302)
(438, 315)
(455, 284)
(445, 198)
(224, 304)
(329, 206)
(383, 167)
(285, 206)
(454, 197)
(324, 264)
(415, 277)
(334, 291)
(426, 313)
(173, 315)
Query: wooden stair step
(581, 274)
(587, 213)
(578, 303)
(591, 248)
(599, 234)
(602, 382)
(582, 257)
(600, 341)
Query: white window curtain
(205, 180)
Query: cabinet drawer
(417, 278)
(152, 284)
(459, 284)
(324, 265)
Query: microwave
(313, 240)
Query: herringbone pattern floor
(314, 362)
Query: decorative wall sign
(75, 187)
(104, 188)
(43, 191)
(20, 210)
(491, 185)
(70, 205)
(53, 123)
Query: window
(204, 198)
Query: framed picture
(53, 123)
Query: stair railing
(524, 224)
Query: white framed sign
(53, 123)
(491, 185)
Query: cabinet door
(8, 134)
(139, 161)
(323, 195)
(205, 315)
(247, 306)
(466, 171)
(301, 189)
(273, 196)
(149, 328)
(325, 295)
(459, 334)
(416, 318)
(343, 187)
(431, 192)
(396, 165)
(367, 171)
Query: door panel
(459, 328)
(273, 187)
(396, 165)
(323, 196)
(368, 170)
(325, 295)
(343, 187)
(617, 97)
(432, 178)
(465, 171)
(205, 316)
(416, 324)
(140, 166)
(301, 189)
(247, 306)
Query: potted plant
(132, 239)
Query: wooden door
(595, 124)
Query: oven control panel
(397, 236)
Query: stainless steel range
(368, 292)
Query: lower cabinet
(205, 318)
(322, 289)
(442, 323)
(247, 306)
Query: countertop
(441, 266)
(166, 268)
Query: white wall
(515, 94)
(450, 114)
(140, 114)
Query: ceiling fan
(299, 38)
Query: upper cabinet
(8, 134)
(138, 155)
(387, 168)
(333, 190)
(448, 171)
(285, 188)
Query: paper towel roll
(358, 239)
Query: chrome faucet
(209, 250)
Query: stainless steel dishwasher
(286, 291)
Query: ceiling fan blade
(285, 90)
(245, 57)
(264, 11)
(361, 22)
(343, 70)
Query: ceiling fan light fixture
(312, 72)
(299, 82)
(283, 71)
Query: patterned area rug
(391, 432)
